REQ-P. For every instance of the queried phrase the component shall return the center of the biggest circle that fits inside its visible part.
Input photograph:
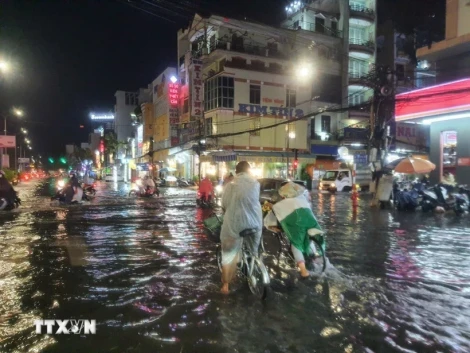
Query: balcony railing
(317, 28)
(362, 10)
(251, 49)
(362, 42)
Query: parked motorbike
(438, 196)
(182, 183)
(465, 191)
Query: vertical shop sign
(173, 93)
(196, 89)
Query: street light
(24, 131)
(292, 135)
(18, 112)
(304, 71)
(4, 66)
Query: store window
(255, 94)
(218, 93)
(449, 151)
(291, 99)
(209, 127)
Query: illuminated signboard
(446, 98)
(102, 117)
(173, 93)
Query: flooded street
(144, 270)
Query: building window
(186, 105)
(255, 94)
(356, 97)
(312, 129)
(357, 68)
(209, 127)
(218, 93)
(357, 35)
(296, 25)
(291, 98)
(255, 124)
(319, 25)
(334, 26)
(326, 123)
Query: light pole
(290, 135)
(15, 111)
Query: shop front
(446, 109)
(263, 164)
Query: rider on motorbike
(7, 193)
(149, 185)
(206, 189)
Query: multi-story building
(444, 107)
(250, 77)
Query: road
(144, 270)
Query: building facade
(449, 59)
(251, 78)
(444, 107)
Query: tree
(112, 145)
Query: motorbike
(89, 189)
(203, 200)
(15, 181)
(438, 196)
(8, 205)
(139, 191)
(60, 196)
(182, 183)
(465, 191)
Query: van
(343, 179)
(336, 180)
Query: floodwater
(144, 270)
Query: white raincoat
(242, 211)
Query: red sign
(173, 93)
(449, 97)
(7, 141)
(101, 146)
(463, 162)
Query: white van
(336, 180)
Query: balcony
(360, 78)
(317, 28)
(362, 12)
(362, 45)
(237, 47)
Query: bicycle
(250, 267)
(316, 236)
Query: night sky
(70, 56)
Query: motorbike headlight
(60, 184)
(218, 188)
(332, 185)
(139, 182)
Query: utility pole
(381, 114)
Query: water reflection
(145, 271)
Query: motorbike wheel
(132, 193)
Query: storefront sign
(265, 110)
(174, 116)
(196, 89)
(173, 93)
(463, 162)
(7, 141)
(449, 137)
(414, 136)
(355, 134)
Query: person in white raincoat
(240, 201)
